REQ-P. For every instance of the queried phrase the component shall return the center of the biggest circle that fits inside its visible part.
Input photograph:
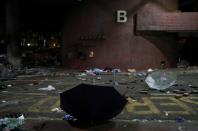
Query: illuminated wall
(120, 46)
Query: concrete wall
(154, 18)
(121, 48)
(174, 22)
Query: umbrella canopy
(161, 79)
(92, 103)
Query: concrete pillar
(13, 32)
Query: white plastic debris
(21, 119)
(149, 70)
(11, 123)
(3, 101)
(180, 128)
(161, 79)
(99, 78)
(141, 74)
(131, 70)
(56, 110)
(48, 88)
(97, 70)
(145, 120)
(9, 85)
(135, 120)
(168, 92)
(160, 121)
(83, 79)
(82, 74)
(189, 85)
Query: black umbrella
(92, 103)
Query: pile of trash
(11, 124)
(97, 71)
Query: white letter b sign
(121, 16)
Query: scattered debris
(58, 110)
(82, 74)
(3, 101)
(97, 71)
(115, 83)
(93, 72)
(140, 74)
(189, 85)
(90, 72)
(68, 117)
(48, 88)
(131, 70)
(160, 121)
(166, 114)
(7, 123)
(179, 119)
(145, 120)
(99, 78)
(168, 92)
(9, 85)
(83, 79)
(149, 70)
(186, 94)
(180, 128)
(135, 120)
(161, 79)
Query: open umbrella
(161, 79)
(92, 103)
